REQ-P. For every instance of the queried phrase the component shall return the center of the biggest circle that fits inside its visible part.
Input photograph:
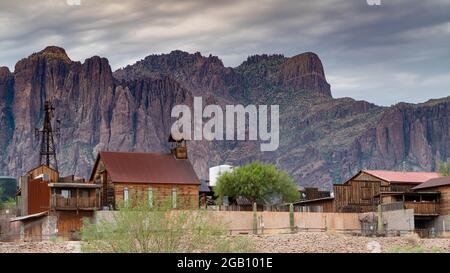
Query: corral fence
(259, 208)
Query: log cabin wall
(187, 195)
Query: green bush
(140, 229)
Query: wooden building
(369, 188)
(206, 193)
(441, 186)
(323, 204)
(43, 193)
(126, 177)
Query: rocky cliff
(322, 140)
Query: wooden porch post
(78, 194)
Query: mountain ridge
(323, 140)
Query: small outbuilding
(126, 177)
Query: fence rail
(423, 208)
(274, 208)
(420, 208)
(60, 202)
(393, 206)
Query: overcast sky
(398, 51)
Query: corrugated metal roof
(148, 168)
(314, 200)
(30, 216)
(435, 182)
(403, 177)
(73, 185)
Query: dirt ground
(40, 247)
(327, 242)
(303, 242)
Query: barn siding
(70, 222)
(187, 195)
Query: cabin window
(66, 193)
(174, 198)
(125, 196)
(150, 197)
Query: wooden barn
(126, 177)
(368, 188)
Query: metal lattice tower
(47, 154)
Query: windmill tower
(47, 154)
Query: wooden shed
(369, 188)
(129, 176)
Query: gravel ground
(326, 242)
(40, 247)
(304, 242)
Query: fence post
(380, 220)
(255, 220)
(291, 217)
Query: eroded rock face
(305, 72)
(322, 140)
(96, 111)
(6, 116)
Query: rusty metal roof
(435, 182)
(148, 168)
(73, 185)
(28, 217)
(403, 177)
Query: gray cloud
(384, 54)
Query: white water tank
(215, 172)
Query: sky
(388, 53)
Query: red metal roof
(435, 182)
(148, 168)
(403, 177)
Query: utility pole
(47, 154)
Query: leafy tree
(141, 229)
(444, 168)
(258, 182)
(9, 188)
